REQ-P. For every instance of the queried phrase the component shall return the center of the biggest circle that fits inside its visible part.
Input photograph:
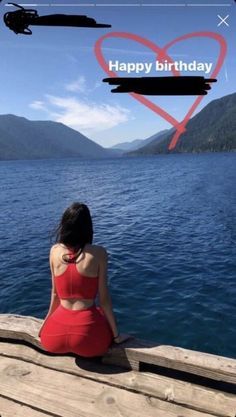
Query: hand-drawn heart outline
(162, 55)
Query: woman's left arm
(55, 300)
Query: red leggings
(84, 332)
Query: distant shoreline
(121, 156)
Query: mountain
(21, 138)
(137, 143)
(126, 146)
(213, 129)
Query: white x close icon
(223, 20)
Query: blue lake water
(168, 223)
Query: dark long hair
(75, 229)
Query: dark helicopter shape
(19, 20)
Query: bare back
(87, 264)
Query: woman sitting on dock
(79, 272)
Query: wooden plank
(135, 351)
(215, 367)
(10, 408)
(67, 395)
(21, 328)
(178, 392)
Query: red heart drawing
(162, 55)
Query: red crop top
(72, 284)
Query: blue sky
(54, 74)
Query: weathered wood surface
(167, 389)
(21, 328)
(197, 363)
(9, 408)
(63, 394)
(133, 352)
(97, 389)
(164, 388)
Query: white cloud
(81, 86)
(85, 116)
(37, 105)
(78, 85)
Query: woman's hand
(122, 337)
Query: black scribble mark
(162, 86)
(19, 20)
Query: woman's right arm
(103, 292)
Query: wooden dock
(135, 379)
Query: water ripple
(168, 223)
